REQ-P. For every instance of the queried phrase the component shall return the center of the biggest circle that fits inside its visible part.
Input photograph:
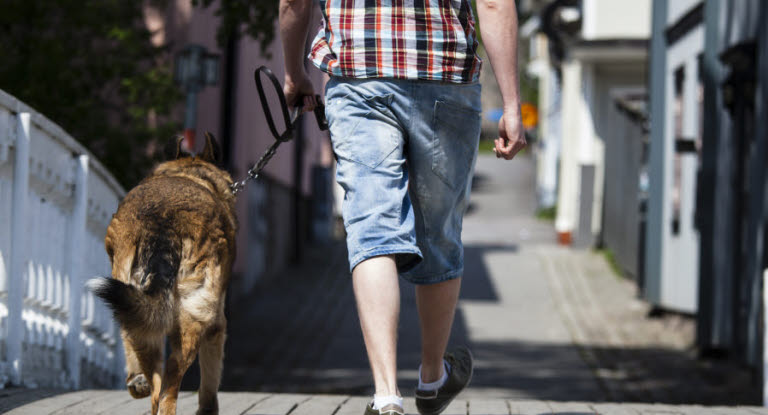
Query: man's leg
(377, 292)
(437, 306)
(442, 147)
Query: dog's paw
(138, 387)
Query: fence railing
(56, 201)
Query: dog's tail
(132, 308)
(147, 301)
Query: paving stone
(661, 409)
(614, 409)
(99, 402)
(187, 404)
(11, 398)
(457, 407)
(54, 403)
(236, 403)
(320, 404)
(488, 407)
(571, 408)
(529, 408)
(353, 406)
(278, 404)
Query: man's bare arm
(498, 27)
(294, 21)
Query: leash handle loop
(288, 134)
(322, 123)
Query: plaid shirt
(406, 39)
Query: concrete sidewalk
(551, 322)
(522, 346)
(544, 322)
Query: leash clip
(237, 187)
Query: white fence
(56, 201)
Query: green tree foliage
(89, 65)
(255, 18)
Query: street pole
(190, 119)
(195, 69)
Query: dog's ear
(212, 151)
(173, 149)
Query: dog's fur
(172, 244)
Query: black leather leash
(290, 123)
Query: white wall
(611, 19)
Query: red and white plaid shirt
(405, 39)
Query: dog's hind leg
(152, 364)
(142, 361)
(185, 341)
(210, 358)
(135, 381)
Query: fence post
(75, 254)
(18, 244)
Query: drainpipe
(713, 329)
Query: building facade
(660, 151)
(591, 61)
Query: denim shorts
(406, 152)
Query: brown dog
(172, 244)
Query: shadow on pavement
(479, 285)
(15, 397)
(527, 370)
(480, 182)
(300, 333)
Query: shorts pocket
(456, 135)
(361, 129)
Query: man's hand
(299, 87)
(293, 21)
(511, 135)
(498, 27)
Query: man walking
(403, 106)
